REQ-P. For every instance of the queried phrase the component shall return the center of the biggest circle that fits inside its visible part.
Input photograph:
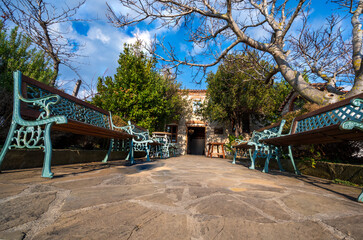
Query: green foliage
(347, 183)
(231, 142)
(290, 116)
(137, 92)
(236, 91)
(17, 53)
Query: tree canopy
(234, 94)
(220, 27)
(138, 92)
(17, 53)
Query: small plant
(290, 116)
(231, 142)
(347, 183)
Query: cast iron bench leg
(48, 152)
(297, 172)
(161, 152)
(109, 151)
(148, 153)
(360, 197)
(131, 154)
(265, 169)
(7, 142)
(277, 152)
(273, 151)
(234, 156)
(253, 157)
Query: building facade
(192, 133)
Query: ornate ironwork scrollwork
(28, 137)
(67, 108)
(343, 114)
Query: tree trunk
(238, 128)
(296, 80)
(56, 70)
(357, 87)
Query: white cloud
(197, 49)
(102, 44)
(97, 34)
(143, 36)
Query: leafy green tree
(235, 93)
(137, 92)
(16, 53)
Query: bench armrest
(142, 136)
(353, 123)
(43, 102)
(270, 134)
(127, 128)
(239, 141)
(357, 102)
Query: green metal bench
(174, 149)
(140, 142)
(338, 122)
(38, 108)
(164, 139)
(262, 150)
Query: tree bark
(55, 70)
(296, 80)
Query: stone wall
(209, 133)
(331, 171)
(18, 159)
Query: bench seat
(90, 130)
(330, 134)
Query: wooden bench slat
(90, 130)
(244, 146)
(323, 135)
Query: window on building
(218, 130)
(173, 129)
(196, 106)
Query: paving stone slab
(124, 220)
(350, 225)
(188, 197)
(24, 209)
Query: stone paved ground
(187, 197)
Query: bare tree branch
(227, 25)
(39, 20)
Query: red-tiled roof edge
(194, 90)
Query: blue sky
(100, 43)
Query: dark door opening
(196, 140)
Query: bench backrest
(69, 106)
(163, 138)
(333, 114)
(141, 134)
(274, 129)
